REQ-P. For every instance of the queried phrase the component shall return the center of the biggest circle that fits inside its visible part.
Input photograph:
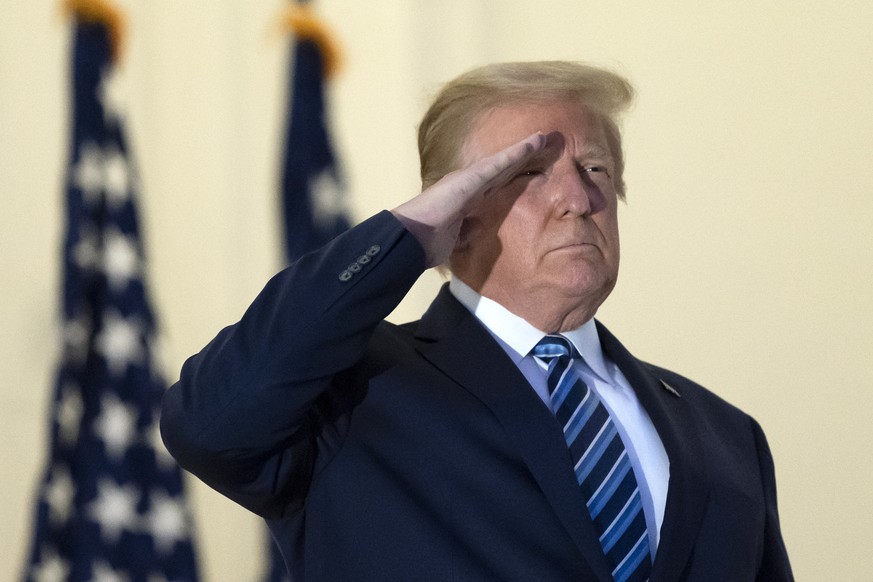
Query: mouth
(576, 248)
(575, 245)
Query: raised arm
(241, 415)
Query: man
(506, 435)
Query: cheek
(613, 232)
(597, 199)
(506, 210)
(520, 235)
(607, 222)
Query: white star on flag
(114, 509)
(103, 572)
(116, 177)
(59, 494)
(51, 568)
(328, 198)
(166, 521)
(76, 333)
(103, 170)
(111, 93)
(86, 253)
(88, 173)
(69, 413)
(120, 259)
(120, 342)
(116, 425)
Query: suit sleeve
(240, 416)
(775, 566)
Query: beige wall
(747, 239)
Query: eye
(529, 173)
(596, 170)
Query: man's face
(547, 239)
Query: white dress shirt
(646, 451)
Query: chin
(587, 288)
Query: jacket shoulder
(693, 391)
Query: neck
(546, 314)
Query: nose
(576, 193)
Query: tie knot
(553, 346)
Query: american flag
(313, 192)
(111, 504)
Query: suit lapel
(675, 421)
(454, 337)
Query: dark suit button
(374, 250)
(345, 276)
(354, 268)
(363, 260)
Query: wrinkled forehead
(503, 125)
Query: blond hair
(459, 104)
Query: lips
(576, 247)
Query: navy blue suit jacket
(419, 452)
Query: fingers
(435, 216)
(493, 170)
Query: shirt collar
(520, 335)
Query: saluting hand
(435, 216)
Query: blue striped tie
(602, 466)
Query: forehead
(502, 126)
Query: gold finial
(302, 21)
(101, 12)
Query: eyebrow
(595, 150)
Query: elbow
(177, 431)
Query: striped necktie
(602, 466)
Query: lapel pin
(670, 389)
